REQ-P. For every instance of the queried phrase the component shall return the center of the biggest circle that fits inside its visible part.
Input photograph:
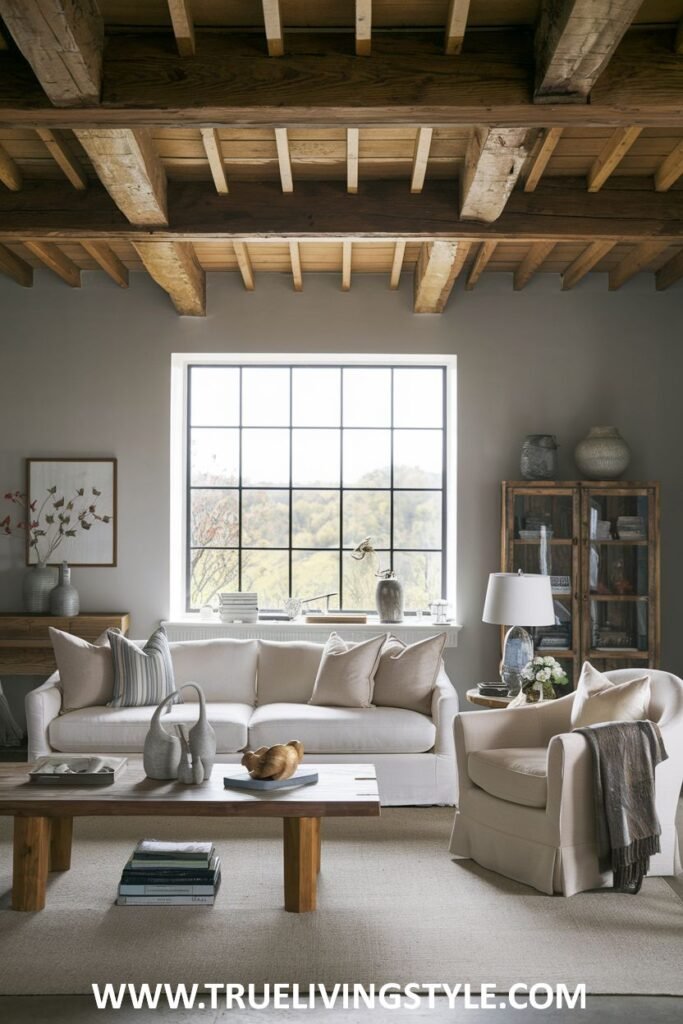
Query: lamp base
(518, 650)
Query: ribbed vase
(39, 580)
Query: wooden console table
(25, 648)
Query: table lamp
(518, 600)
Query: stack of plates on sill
(238, 607)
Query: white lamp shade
(516, 599)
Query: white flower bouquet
(540, 674)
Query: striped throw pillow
(142, 676)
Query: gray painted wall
(88, 372)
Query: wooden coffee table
(43, 818)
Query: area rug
(393, 907)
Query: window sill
(194, 628)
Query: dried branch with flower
(54, 520)
(365, 548)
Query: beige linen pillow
(345, 677)
(86, 671)
(406, 675)
(598, 699)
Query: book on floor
(170, 874)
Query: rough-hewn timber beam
(670, 169)
(585, 262)
(438, 265)
(532, 262)
(55, 260)
(540, 156)
(456, 23)
(671, 272)
(183, 26)
(62, 41)
(352, 146)
(347, 258)
(423, 142)
(575, 40)
(10, 175)
(61, 152)
(626, 209)
(634, 262)
(244, 264)
(409, 80)
(129, 168)
(611, 156)
(363, 28)
(272, 20)
(493, 162)
(174, 267)
(214, 154)
(14, 267)
(107, 259)
(295, 260)
(486, 251)
(397, 264)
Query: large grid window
(290, 467)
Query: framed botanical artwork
(72, 503)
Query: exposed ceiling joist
(670, 169)
(54, 259)
(540, 155)
(575, 40)
(611, 156)
(671, 272)
(183, 26)
(62, 41)
(409, 80)
(352, 145)
(62, 154)
(397, 264)
(244, 264)
(14, 267)
(109, 262)
(584, 263)
(363, 28)
(493, 162)
(634, 262)
(128, 166)
(484, 254)
(295, 260)
(284, 161)
(10, 175)
(212, 148)
(347, 259)
(532, 262)
(272, 20)
(174, 267)
(423, 142)
(456, 23)
(438, 266)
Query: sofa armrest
(42, 706)
(570, 800)
(445, 706)
(532, 725)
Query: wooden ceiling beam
(397, 264)
(62, 40)
(54, 259)
(574, 42)
(423, 142)
(212, 148)
(486, 251)
(410, 80)
(62, 154)
(611, 156)
(438, 265)
(493, 162)
(128, 166)
(363, 28)
(347, 259)
(174, 267)
(626, 210)
(540, 155)
(272, 20)
(531, 264)
(634, 262)
(295, 260)
(456, 23)
(183, 26)
(10, 175)
(284, 160)
(584, 263)
(109, 262)
(244, 264)
(14, 267)
(670, 169)
(671, 272)
(678, 44)
(352, 145)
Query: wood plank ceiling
(443, 139)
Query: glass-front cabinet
(599, 543)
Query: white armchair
(526, 790)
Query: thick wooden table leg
(61, 831)
(319, 846)
(302, 857)
(31, 856)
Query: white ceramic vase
(603, 454)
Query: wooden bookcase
(600, 541)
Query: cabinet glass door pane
(536, 514)
(619, 625)
(618, 517)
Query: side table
(474, 697)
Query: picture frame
(96, 547)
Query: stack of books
(238, 607)
(631, 527)
(170, 874)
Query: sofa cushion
(123, 730)
(286, 671)
(346, 676)
(86, 671)
(225, 669)
(141, 676)
(406, 675)
(515, 774)
(598, 699)
(327, 730)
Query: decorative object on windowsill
(292, 608)
(603, 454)
(238, 606)
(316, 615)
(278, 762)
(163, 752)
(539, 457)
(513, 599)
(439, 611)
(539, 677)
(64, 599)
(388, 592)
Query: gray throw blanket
(625, 755)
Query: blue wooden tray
(300, 778)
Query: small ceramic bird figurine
(278, 762)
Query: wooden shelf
(618, 597)
(555, 542)
(25, 647)
(615, 652)
(621, 543)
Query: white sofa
(257, 693)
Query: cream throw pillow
(86, 671)
(598, 699)
(345, 677)
(406, 674)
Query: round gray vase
(64, 599)
(38, 582)
(389, 599)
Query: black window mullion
(239, 493)
(291, 496)
(391, 472)
(341, 487)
